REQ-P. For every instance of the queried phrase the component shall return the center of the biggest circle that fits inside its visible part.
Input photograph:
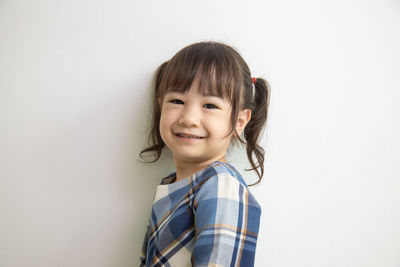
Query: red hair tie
(254, 80)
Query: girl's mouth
(188, 136)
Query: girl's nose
(189, 117)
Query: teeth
(189, 136)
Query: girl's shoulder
(227, 170)
(221, 180)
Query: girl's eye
(176, 101)
(210, 106)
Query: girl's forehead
(203, 88)
(198, 95)
(195, 91)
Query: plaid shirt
(208, 219)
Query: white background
(75, 82)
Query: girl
(204, 214)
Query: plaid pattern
(208, 219)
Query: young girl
(204, 214)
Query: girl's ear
(243, 118)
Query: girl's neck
(186, 169)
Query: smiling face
(195, 127)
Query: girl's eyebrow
(212, 94)
(208, 94)
(174, 92)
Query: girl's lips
(187, 135)
(190, 138)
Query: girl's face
(194, 126)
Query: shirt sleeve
(227, 221)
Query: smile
(188, 136)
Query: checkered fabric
(208, 219)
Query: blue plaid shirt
(207, 219)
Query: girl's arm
(227, 220)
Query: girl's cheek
(165, 111)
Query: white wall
(74, 95)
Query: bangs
(213, 69)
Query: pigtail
(155, 141)
(259, 112)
